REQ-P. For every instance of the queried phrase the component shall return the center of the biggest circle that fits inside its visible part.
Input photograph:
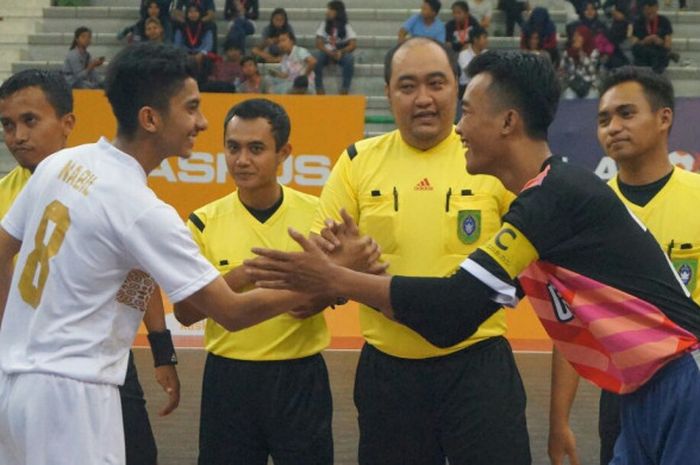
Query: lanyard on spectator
(462, 33)
(653, 26)
(192, 39)
(333, 37)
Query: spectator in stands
(482, 10)
(424, 24)
(513, 10)
(249, 9)
(296, 61)
(335, 42)
(268, 49)
(136, 32)
(154, 31)
(252, 81)
(610, 51)
(79, 67)
(478, 43)
(240, 26)
(224, 72)
(579, 69)
(540, 34)
(651, 38)
(300, 86)
(457, 29)
(207, 13)
(195, 35)
(164, 7)
(620, 14)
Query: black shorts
(467, 407)
(252, 410)
(608, 424)
(138, 436)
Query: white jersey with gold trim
(86, 220)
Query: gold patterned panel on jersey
(137, 289)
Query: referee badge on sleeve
(469, 225)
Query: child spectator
(225, 72)
(79, 67)
(164, 7)
(252, 81)
(137, 31)
(296, 61)
(478, 43)
(482, 10)
(424, 24)
(580, 66)
(651, 38)
(268, 50)
(540, 34)
(240, 26)
(335, 41)
(154, 31)
(194, 35)
(300, 86)
(457, 29)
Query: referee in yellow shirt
(265, 390)
(419, 404)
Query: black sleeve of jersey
(444, 311)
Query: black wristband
(162, 348)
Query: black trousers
(467, 407)
(138, 436)
(252, 410)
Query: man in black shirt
(651, 38)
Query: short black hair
(280, 126)
(389, 57)
(657, 88)
(145, 74)
(435, 5)
(524, 81)
(461, 4)
(288, 33)
(248, 58)
(52, 83)
(476, 31)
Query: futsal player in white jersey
(84, 222)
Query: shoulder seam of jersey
(197, 222)
(352, 151)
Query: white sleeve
(349, 32)
(321, 31)
(163, 247)
(14, 221)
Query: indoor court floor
(177, 434)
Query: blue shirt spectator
(424, 24)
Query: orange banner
(322, 127)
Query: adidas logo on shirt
(423, 185)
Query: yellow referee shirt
(673, 219)
(225, 232)
(427, 214)
(10, 187)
